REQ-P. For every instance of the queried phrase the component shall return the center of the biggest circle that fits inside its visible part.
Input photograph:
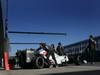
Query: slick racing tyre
(39, 62)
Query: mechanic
(92, 48)
(52, 53)
(60, 49)
(50, 50)
(44, 47)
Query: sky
(77, 18)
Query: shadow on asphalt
(96, 72)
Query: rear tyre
(39, 63)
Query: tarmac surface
(71, 69)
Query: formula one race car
(30, 58)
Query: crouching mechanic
(50, 50)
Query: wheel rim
(40, 62)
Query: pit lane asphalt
(71, 69)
